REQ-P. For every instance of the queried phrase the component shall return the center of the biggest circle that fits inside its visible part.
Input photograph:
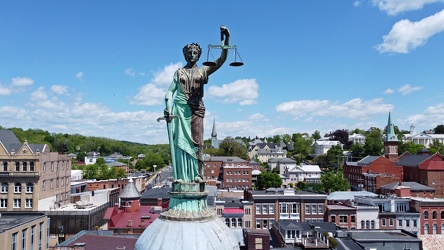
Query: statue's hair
(188, 46)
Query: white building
(422, 138)
(357, 139)
(76, 175)
(322, 147)
(302, 173)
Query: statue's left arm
(223, 55)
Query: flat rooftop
(9, 220)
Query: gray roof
(130, 191)
(367, 160)
(414, 186)
(348, 195)
(115, 164)
(291, 224)
(281, 160)
(9, 140)
(411, 160)
(225, 159)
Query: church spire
(213, 132)
(390, 133)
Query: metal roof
(130, 191)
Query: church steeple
(391, 141)
(390, 133)
(213, 132)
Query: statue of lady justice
(184, 114)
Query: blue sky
(101, 68)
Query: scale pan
(209, 63)
(236, 64)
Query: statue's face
(192, 54)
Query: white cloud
(406, 35)
(244, 91)
(353, 109)
(389, 91)
(130, 72)
(22, 81)
(59, 89)
(256, 117)
(357, 3)
(430, 118)
(394, 7)
(80, 76)
(39, 95)
(149, 95)
(407, 89)
(5, 90)
(165, 77)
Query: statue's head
(192, 52)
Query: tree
(410, 147)
(334, 182)
(341, 135)
(302, 147)
(230, 147)
(373, 142)
(436, 147)
(439, 129)
(316, 135)
(357, 151)
(335, 157)
(267, 180)
(286, 138)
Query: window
(29, 188)
(233, 222)
(271, 209)
(307, 208)
(31, 167)
(32, 236)
(362, 224)
(40, 235)
(44, 167)
(435, 228)
(14, 241)
(265, 209)
(247, 211)
(407, 223)
(227, 222)
(442, 215)
(333, 218)
(342, 219)
(391, 222)
(265, 224)
(320, 209)
(5, 167)
(258, 208)
(4, 187)
(295, 208)
(258, 224)
(17, 188)
(239, 222)
(399, 223)
(434, 215)
(25, 167)
(3, 203)
(383, 221)
(426, 229)
(367, 224)
(313, 209)
(17, 203)
(17, 167)
(24, 231)
(283, 208)
(415, 223)
(353, 219)
(28, 203)
(373, 224)
(426, 215)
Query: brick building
(228, 171)
(29, 173)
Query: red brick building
(344, 216)
(228, 172)
(432, 214)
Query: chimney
(130, 223)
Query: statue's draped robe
(188, 126)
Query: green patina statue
(184, 114)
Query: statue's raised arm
(225, 41)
